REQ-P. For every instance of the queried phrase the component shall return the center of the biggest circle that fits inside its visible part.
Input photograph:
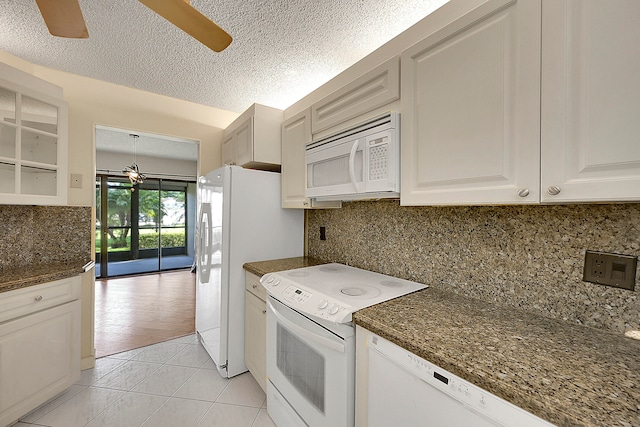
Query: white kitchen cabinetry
(33, 140)
(373, 89)
(296, 133)
(470, 107)
(253, 139)
(590, 101)
(39, 345)
(523, 101)
(255, 329)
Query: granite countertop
(568, 374)
(260, 268)
(22, 277)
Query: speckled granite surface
(568, 374)
(42, 243)
(44, 235)
(260, 268)
(529, 257)
(38, 273)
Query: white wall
(93, 102)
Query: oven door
(310, 370)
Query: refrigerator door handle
(206, 237)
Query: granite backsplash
(530, 257)
(44, 235)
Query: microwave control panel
(378, 152)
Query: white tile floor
(170, 384)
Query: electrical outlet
(610, 269)
(598, 266)
(323, 233)
(76, 180)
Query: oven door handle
(302, 332)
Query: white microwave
(361, 162)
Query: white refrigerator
(240, 219)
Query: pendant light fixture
(133, 171)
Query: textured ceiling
(281, 50)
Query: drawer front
(253, 285)
(28, 300)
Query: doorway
(143, 228)
(144, 238)
(144, 225)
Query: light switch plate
(610, 269)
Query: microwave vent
(390, 117)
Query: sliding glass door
(143, 228)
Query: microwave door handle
(352, 164)
(302, 332)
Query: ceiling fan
(64, 19)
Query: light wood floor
(136, 311)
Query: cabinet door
(470, 104)
(39, 358)
(255, 336)
(228, 151)
(296, 133)
(33, 141)
(590, 100)
(373, 89)
(244, 143)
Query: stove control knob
(276, 282)
(323, 304)
(268, 279)
(334, 308)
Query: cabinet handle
(305, 203)
(254, 286)
(264, 311)
(523, 192)
(38, 298)
(553, 190)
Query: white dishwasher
(406, 390)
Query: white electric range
(311, 340)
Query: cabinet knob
(38, 298)
(305, 203)
(264, 311)
(523, 192)
(553, 190)
(254, 286)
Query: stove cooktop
(334, 291)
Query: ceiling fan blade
(181, 14)
(63, 18)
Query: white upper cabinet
(470, 107)
(376, 88)
(296, 133)
(590, 100)
(523, 101)
(253, 139)
(33, 140)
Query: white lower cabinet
(39, 347)
(255, 329)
